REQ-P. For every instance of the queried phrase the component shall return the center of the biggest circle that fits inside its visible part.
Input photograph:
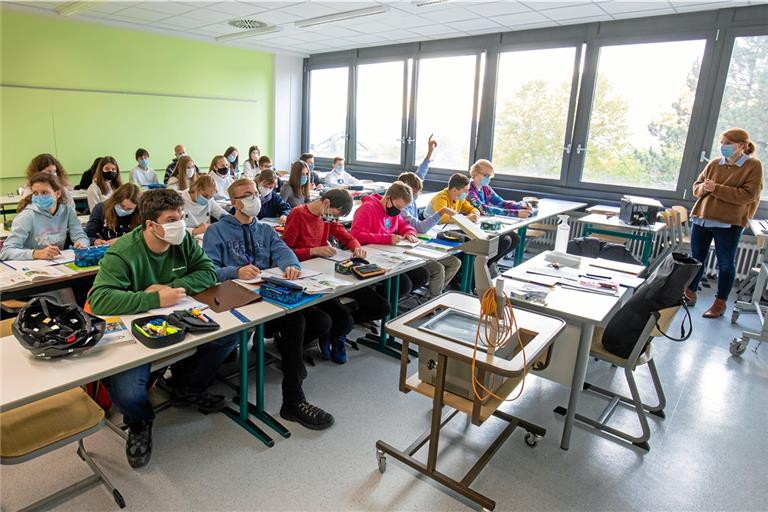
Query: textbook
(12, 277)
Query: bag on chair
(664, 288)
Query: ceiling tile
(620, 6)
(448, 15)
(588, 19)
(166, 7)
(576, 11)
(543, 6)
(431, 30)
(426, 10)
(400, 20)
(394, 35)
(497, 8)
(183, 22)
(370, 27)
(523, 18)
(333, 31)
(642, 14)
(218, 29)
(306, 10)
(209, 16)
(108, 7)
(366, 39)
(236, 8)
(476, 24)
(140, 14)
(277, 17)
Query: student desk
(611, 225)
(582, 311)
(739, 345)
(25, 289)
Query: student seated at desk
(454, 197)
(233, 160)
(199, 205)
(307, 232)
(378, 221)
(184, 174)
(314, 178)
(273, 206)
(114, 217)
(240, 247)
(143, 175)
(486, 200)
(48, 163)
(178, 151)
(251, 165)
(44, 223)
(152, 267)
(219, 170)
(296, 191)
(106, 180)
(87, 177)
(337, 177)
(440, 271)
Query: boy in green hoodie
(155, 266)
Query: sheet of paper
(530, 277)
(389, 260)
(276, 272)
(185, 303)
(28, 264)
(341, 255)
(470, 228)
(406, 243)
(627, 268)
(426, 253)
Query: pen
(595, 276)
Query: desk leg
(577, 382)
(467, 272)
(241, 417)
(258, 410)
(380, 343)
(520, 251)
(647, 248)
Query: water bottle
(563, 234)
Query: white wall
(288, 104)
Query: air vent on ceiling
(247, 24)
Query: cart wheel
(118, 498)
(738, 346)
(382, 460)
(735, 315)
(531, 439)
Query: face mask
(327, 217)
(392, 210)
(251, 206)
(44, 202)
(264, 192)
(727, 150)
(181, 155)
(110, 175)
(223, 171)
(485, 181)
(340, 169)
(174, 232)
(201, 200)
(311, 167)
(122, 212)
(144, 163)
(462, 196)
(231, 158)
(190, 172)
(303, 181)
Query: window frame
(306, 111)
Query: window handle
(410, 140)
(567, 149)
(580, 149)
(703, 156)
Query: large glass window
(444, 104)
(745, 99)
(328, 111)
(380, 112)
(640, 113)
(531, 114)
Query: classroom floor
(710, 453)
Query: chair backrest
(665, 320)
(5, 327)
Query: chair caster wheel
(381, 458)
(738, 346)
(531, 439)
(735, 315)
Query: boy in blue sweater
(240, 247)
(272, 204)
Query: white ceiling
(405, 21)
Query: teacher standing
(728, 192)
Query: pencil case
(90, 256)
(345, 266)
(193, 324)
(281, 290)
(151, 337)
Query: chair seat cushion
(598, 350)
(31, 427)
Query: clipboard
(227, 296)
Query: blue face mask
(485, 181)
(122, 212)
(231, 158)
(303, 181)
(462, 196)
(339, 169)
(311, 167)
(727, 150)
(44, 202)
(144, 163)
(201, 200)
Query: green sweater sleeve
(111, 293)
(201, 273)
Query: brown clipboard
(227, 296)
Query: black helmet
(52, 330)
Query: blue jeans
(128, 390)
(726, 243)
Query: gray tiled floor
(710, 453)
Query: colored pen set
(157, 328)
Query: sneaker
(202, 401)
(306, 414)
(324, 344)
(339, 350)
(138, 448)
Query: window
(380, 112)
(531, 114)
(444, 106)
(640, 113)
(328, 111)
(745, 99)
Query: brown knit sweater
(736, 195)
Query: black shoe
(202, 401)
(138, 448)
(308, 415)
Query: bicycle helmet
(51, 330)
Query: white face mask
(174, 232)
(251, 206)
(190, 172)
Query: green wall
(80, 90)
